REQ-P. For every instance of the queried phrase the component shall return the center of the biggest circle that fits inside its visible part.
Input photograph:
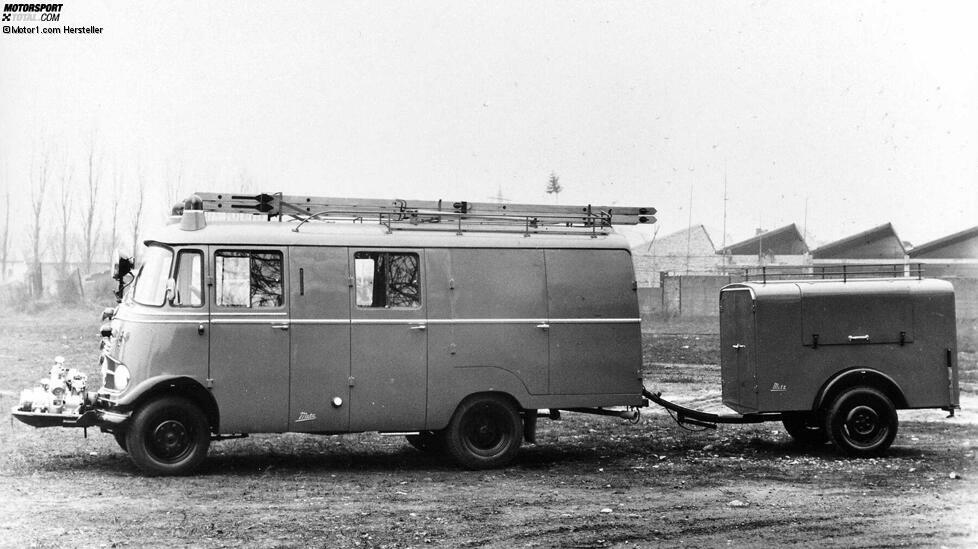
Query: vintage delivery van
(451, 326)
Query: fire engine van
(454, 324)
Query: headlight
(121, 377)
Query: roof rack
(434, 215)
(841, 271)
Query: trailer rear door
(738, 349)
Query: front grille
(108, 373)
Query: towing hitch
(688, 416)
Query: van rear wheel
(862, 421)
(485, 432)
(805, 428)
(168, 436)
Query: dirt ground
(589, 482)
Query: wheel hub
(863, 421)
(170, 438)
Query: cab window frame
(178, 258)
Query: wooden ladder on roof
(402, 214)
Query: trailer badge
(305, 416)
(778, 388)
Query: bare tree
(91, 223)
(5, 237)
(172, 186)
(140, 190)
(39, 181)
(116, 198)
(64, 205)
(553, 186)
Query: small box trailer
(833, 356)
(837, 358)
(460, 324)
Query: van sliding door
(319, 394)
(388, 338)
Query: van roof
(275, 233)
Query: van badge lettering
(778, 388)
(305, 416)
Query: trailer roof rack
(840, 271)
(443, 215)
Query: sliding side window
(249, 279)
(387, 279)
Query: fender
(180, 384)
(860, 376)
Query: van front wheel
(485, 432)
(168, 436)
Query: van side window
(388, 280)
(189, 277)
(248, 279)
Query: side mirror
(119, 271)
(122, 267)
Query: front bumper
(90, 418)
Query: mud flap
(530, 426)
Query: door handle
(543, 326)
(283, 327)
(738, 346)
(859, 338)
(200, 329)
(419, 327)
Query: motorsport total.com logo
(32, 12)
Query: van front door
(388, 340)
(249, 352)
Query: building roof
(785, 240)
(679, 238)
(960, 245)
(879, 242)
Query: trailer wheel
(486, 431)
(431, 442)
(862, 422)
(805, 428)
(168, 436)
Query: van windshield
(150, 285)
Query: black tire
(120, 439)
(485, 432)
(430, 442)
(862, 422)
(805, 428)
(168, 436)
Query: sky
(837, 116)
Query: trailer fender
(172, 384)
(859, 377)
